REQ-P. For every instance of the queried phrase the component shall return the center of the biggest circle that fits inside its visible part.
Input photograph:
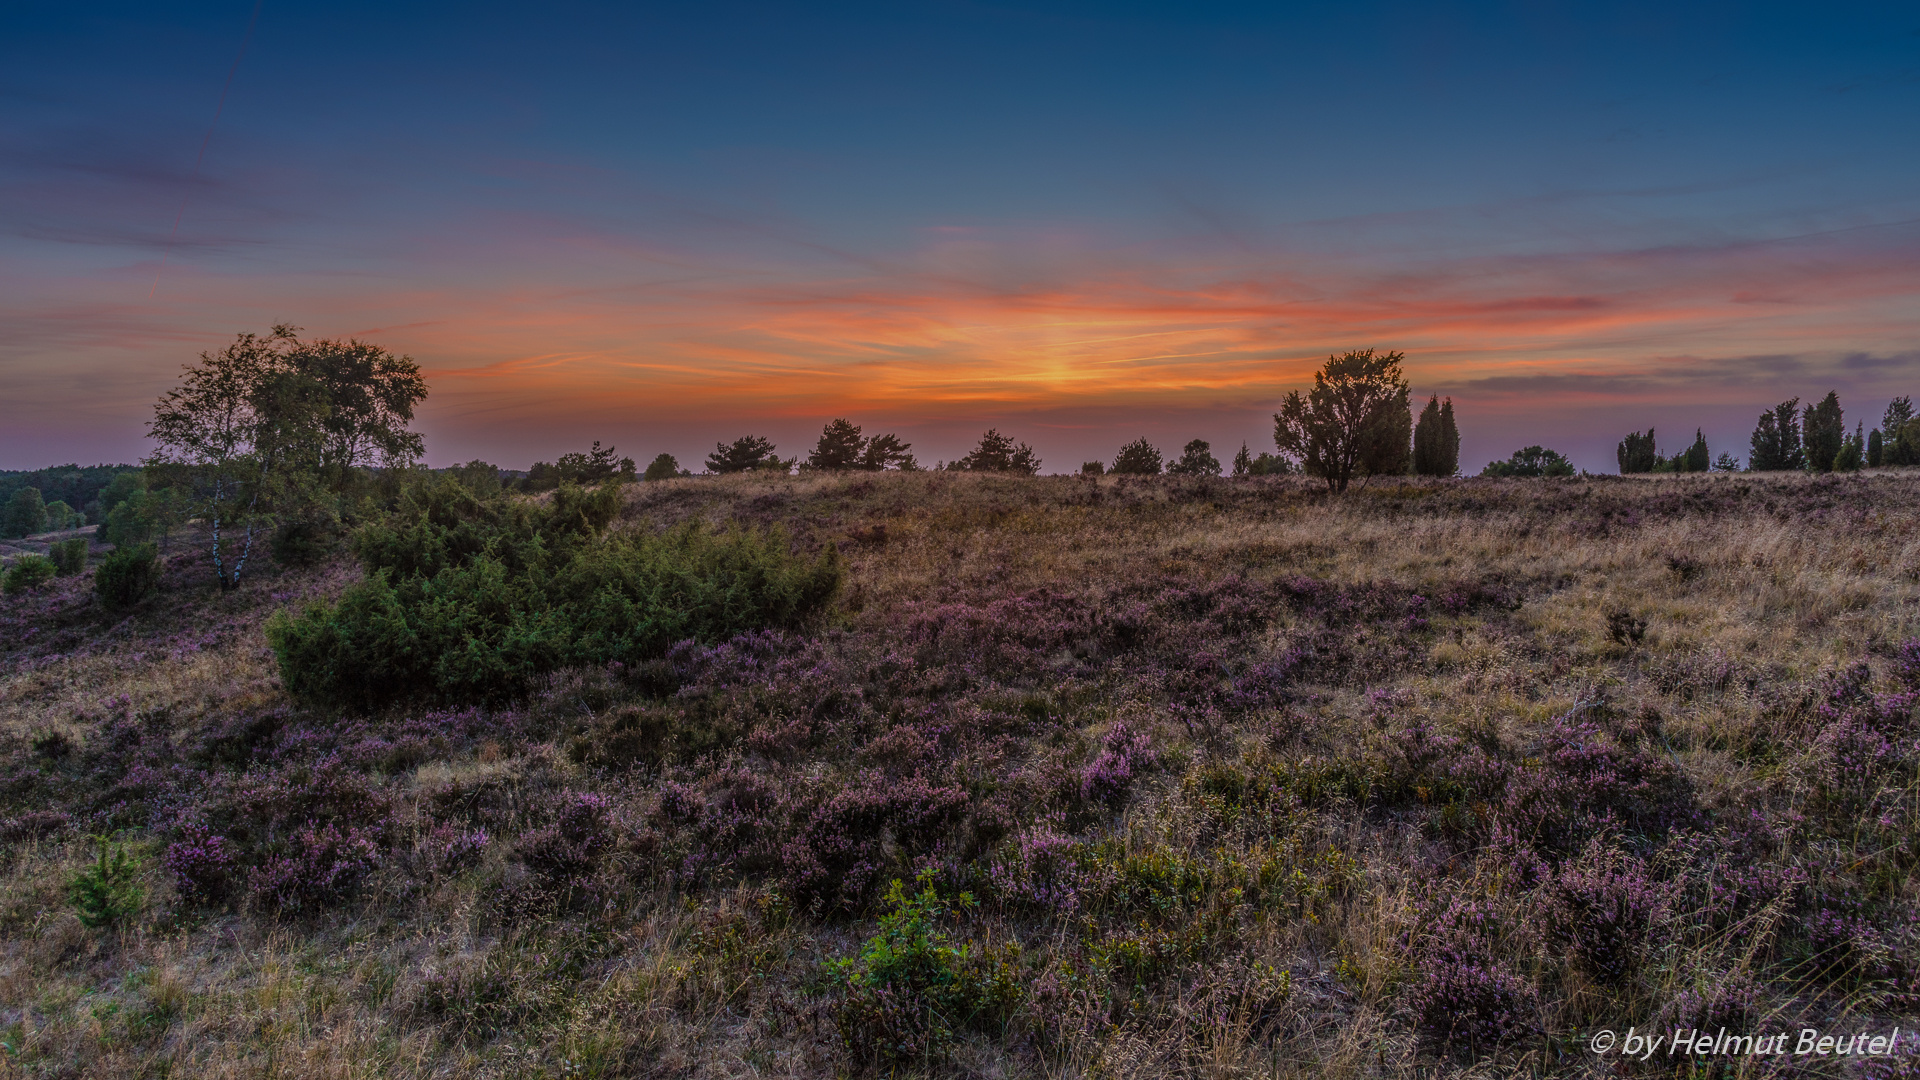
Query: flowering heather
(1246, 780)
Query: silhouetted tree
(887, 452)
(1776, 440)
(1824, 429)
(1726, 462)
(664, 467)
(369, 394)
(1196, 459)
(1851, 453)
(1093, 468)
(1876, 448)
(1137, 458)
(745, 453)
(1531, 461)
(1636, 453)
(839, 447)
(1355, 420)
(998, 453)
(1695, 458)
(1436, 442)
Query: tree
(1726, 463)
(1824, 429)
(1436, 442)
(1876, 448)
(1852, 450)
(1354, 422)
(887, 452)
(1242, 461)
(664, 467)
(1695, 458)
(1196, 459)
(1636, 453)
(479, 477)
(369, 394)
(239, 435)
(61, 516)
(998, 453)
(745, 453)
(1093, 468)
(839, 447)
(1531, 461)
(1776, 440)
(26, 514)
(593, 467)
(1899, 450)
(1137, 458)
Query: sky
(666, 226)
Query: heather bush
(320, 864)
(1730, 1000)
(1471, 1003)
(1602, 909)
(126, 576)
(28, 572)
(570, 848)
(201, 864)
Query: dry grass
(1751, 590)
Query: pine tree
(1823, 430)
(1876, 448)
(1696, 459)
(1449, 441)
(1852, 450)
(1196, 459)
(839, 447)
(1899, 449)
(1137, 458)
(1242, 461)
(1776, 440)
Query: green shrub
(126, 576)
(28, 572)
(305, 541)
(70, 556)
(106, 892)
(471, 599)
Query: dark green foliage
(1876, 449)
(1901, 448)
(1824, 431)
(107, 891)
(126, 576)
(87, 488)
(839, 447)
(306, 540)
(1695, 458)
(1851, 455)
(1095, 468)
(25, 513)
(478, 477)
(70, 556)
(664, 467)
(1354, 422)
(594, 466)
(998, 453)
(1196, 459)
(745, 453)
(1531, 461)
(1436, 441)
(1726, 462)
(1137, 458)
(61, 516)
(887, 452)
(1636, 453)
(470, 600)
(1776, 440)
(28, 572)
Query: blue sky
(662, 227)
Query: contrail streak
(202, 155)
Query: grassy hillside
(1081, 778)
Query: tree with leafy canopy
(998, 453)
(1137, 458)
(1436, 441)
(1775, 446)
(839, 447)
(1355, 421)
(241, 434)
(369, 393)
(594, 466)
(1823, 430)
(745, 453)
(26, 514)
(664, 467)
(1531, 461)
(1196, 459)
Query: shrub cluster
(470, 598)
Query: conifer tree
(1876, 448)
(1242, 461)
(1696, 459)
(1636, 453)
(1436, 442)
(1776, 440)
(1899, 450)
(1823, 430)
